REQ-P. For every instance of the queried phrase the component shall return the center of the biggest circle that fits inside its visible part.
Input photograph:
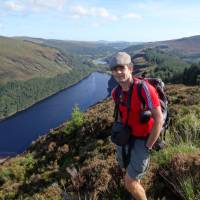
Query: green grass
(187, 186)
(21, 60)
(76, 120)
(164, 157)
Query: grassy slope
(79, 158)
(187, 48)
(20, 60)
(82, 48)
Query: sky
(93, 20)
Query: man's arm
(157, 126)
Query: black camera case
(120, 134)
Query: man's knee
(131, 184)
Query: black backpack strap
(139, 90)
(117, 100)
(129, 102)
(126, 156)
(116, 111)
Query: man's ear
(130, 68)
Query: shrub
(76, 120)
(27, 161)
(4, 175)
(77, 117)
(187, 129)
(164, 157)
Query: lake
(18, 131)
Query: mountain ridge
(187, 48)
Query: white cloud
(79, 10)
(14, 5)
(34, 5)
(131, 16)
(49, 4)
(102, 12)
(92, 11)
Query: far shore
(43, 99)
(13, 114)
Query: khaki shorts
(139, 160)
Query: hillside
(31, 71)
(77, 159)
(90, 49)
(21, 60)
(187, 48)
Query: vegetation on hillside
(92, 49)
(170, 69)
(77, 159)
(166, 66)
(21, 60)
(187, 49)
(18, 95)
(30, 72)
(191, 76)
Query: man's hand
(157, 126)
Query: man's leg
(135, 188)
(136, 169)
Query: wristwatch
(149, 149)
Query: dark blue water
(17, 132)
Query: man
(144, 134)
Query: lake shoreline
(23, 128)
(2, 160)
(45, 98)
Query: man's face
(122, 73)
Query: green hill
(30, 72)
(91, 49)
(21, 60)
(187, 48)
(77, 159)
